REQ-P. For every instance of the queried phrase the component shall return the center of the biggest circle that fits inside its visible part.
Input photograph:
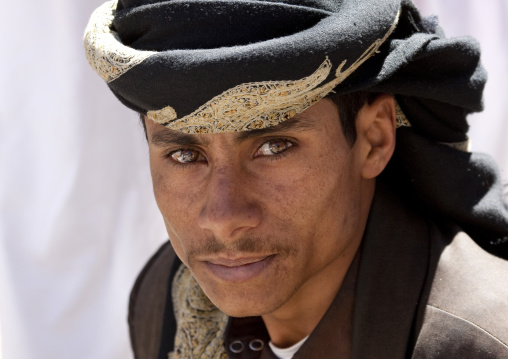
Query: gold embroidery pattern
(248, 106)
(104, 49)
(402, 120)
(257, 105)
(200, 325)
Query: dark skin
(266, 220)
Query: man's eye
(273, 147)
(185, 156)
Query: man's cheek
(180, 240)
(177, 198)
(290, 193)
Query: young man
(310, 162)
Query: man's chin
(241, 304)
(238, 311)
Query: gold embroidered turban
(209, 67)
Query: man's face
(260, 217)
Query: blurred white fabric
(77, 215)
(78, 219)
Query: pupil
(186, 156)
(277, 146)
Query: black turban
(203, 66)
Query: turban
(213, 66)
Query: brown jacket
(422, 289)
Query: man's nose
(229, 209)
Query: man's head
(249, 159)
(263, 216)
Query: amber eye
(273, 147)
(185, 156)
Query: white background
(77, 217)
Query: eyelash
(277, 156)
(171, 161)
(274, 157)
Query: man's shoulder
(148, 302)
(467, 304)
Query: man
(310, 161)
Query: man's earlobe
(376, 131)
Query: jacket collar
(391, 277)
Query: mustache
(247, 245)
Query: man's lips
(238, 270)
(235, 262)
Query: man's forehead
(160, 135)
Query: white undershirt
(286, 353)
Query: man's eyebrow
(164, 137)
(299, 123)
(167, 137)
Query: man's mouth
(240, 269)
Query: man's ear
(376, 125)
